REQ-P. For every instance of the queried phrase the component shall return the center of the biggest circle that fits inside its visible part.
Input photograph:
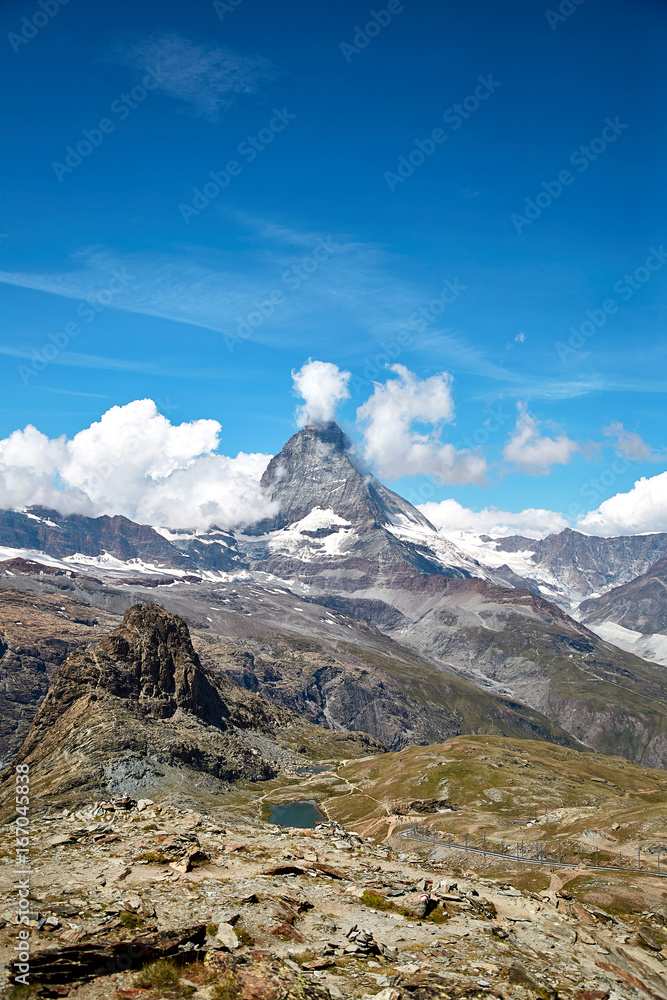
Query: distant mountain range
(497, 616)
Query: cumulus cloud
(450, 516)
(134, 461)
(322, 386)
(533, 453)
(642, 509)
(394, 446)
(629, 444)
(206, 78)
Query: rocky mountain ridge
(138, 711)
(341, 537)
(634, 615)
(586, 565)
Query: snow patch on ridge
(652, 647)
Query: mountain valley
(164, 688)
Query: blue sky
(535, 199)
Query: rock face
(139, 712)
(335, 530)
(314, 469)
(634, 615)
(46, 530)
(35, 638)
(587, 564)
(519, 643)
(337, 535)
(42, 530)
(640, 605)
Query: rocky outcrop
(36, 636)
(315, 469)
(138, 711)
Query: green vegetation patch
(162, 978)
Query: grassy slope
(492, 778)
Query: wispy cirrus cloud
(356, 296)
(354, 286)
(96, 362)
(206, 78)
(629, 444)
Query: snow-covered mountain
(492, 612)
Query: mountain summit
(315, 469)
(139, 713)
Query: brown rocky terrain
(331, 669)
(139, 712)
(149, 901)
(37, 633)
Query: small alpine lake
(304, 815)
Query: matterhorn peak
(315, 469)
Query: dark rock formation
(35, 638)
(640, 605)
(314, 469)
(139, 711)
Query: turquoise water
(304, 815)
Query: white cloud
(531, 452)
(133, 461)
(450, 516)
(642, 509)
(322, 386)
(392, 444)
(629, 444)
(208, 78)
